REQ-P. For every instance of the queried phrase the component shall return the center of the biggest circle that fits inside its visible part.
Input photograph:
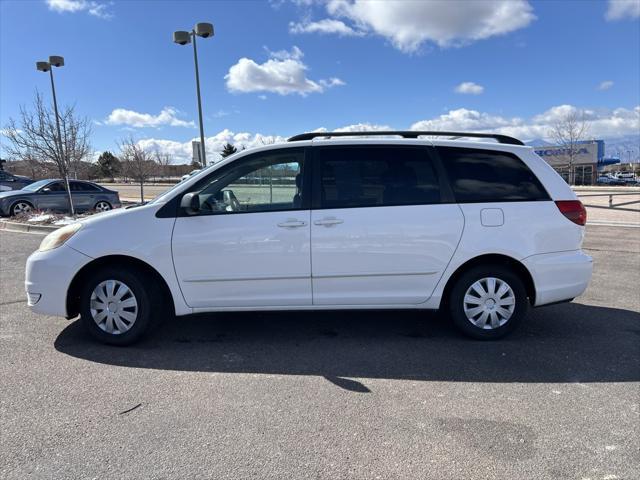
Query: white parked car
(480, 230)
(190, 174)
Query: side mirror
(46, 190)
(191, 203)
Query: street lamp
(204, 30)
(57, 61)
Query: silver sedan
(52, 195)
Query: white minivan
(388, 220)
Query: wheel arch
(492, 259)
(124, 261)
(25, 200)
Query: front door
(381, 231)
(53, 197)
(249, 244)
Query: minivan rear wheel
(487, 302)
(118, 306)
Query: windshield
(163, 196)
(36, 185)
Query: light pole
(57, 61)
(203, 30)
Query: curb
(23, 227)
(133, 199)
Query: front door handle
(328, 222)
(292, 224)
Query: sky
(277, 68)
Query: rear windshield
(479, 176)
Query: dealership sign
(557, 152)
(583, 153)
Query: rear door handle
(292, 224)
(328, 222)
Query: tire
(102, 206)
(21, 206)
(105, 295)
(493, 314)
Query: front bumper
(48, 276)
(559, 276)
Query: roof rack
(408, 134)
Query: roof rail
(408, 134)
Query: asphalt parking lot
(329, 395)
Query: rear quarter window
(479, 176)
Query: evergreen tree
(108, 165)
(227, 150)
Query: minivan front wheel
(487, 302)
(116, 305)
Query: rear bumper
(559, 276)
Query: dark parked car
(51, 195)
(9, 181)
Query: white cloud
(181, 152)
(410, 24)
(623, 9)
(362, 127)
(469, 88)
(327, 25)
(96, 9)
(602, 123)
(606, 85)
(284, 73)
(465, 120)
(131, 118)
(331, 82)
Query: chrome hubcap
(102, 207)
(489, 303)
(21, 207)
(113, 307)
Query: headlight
(58, 237)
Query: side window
(479, 176)
(269, 181)
(82, 187)
(376, 176)
(56, 187)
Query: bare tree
(34, 138)
(164, 161)
(137, 162)
(568, 132)
(36, 168)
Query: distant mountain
(625, 148)
(538, 142)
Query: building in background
(589, 160)
(195, 153)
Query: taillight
(573, 210)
